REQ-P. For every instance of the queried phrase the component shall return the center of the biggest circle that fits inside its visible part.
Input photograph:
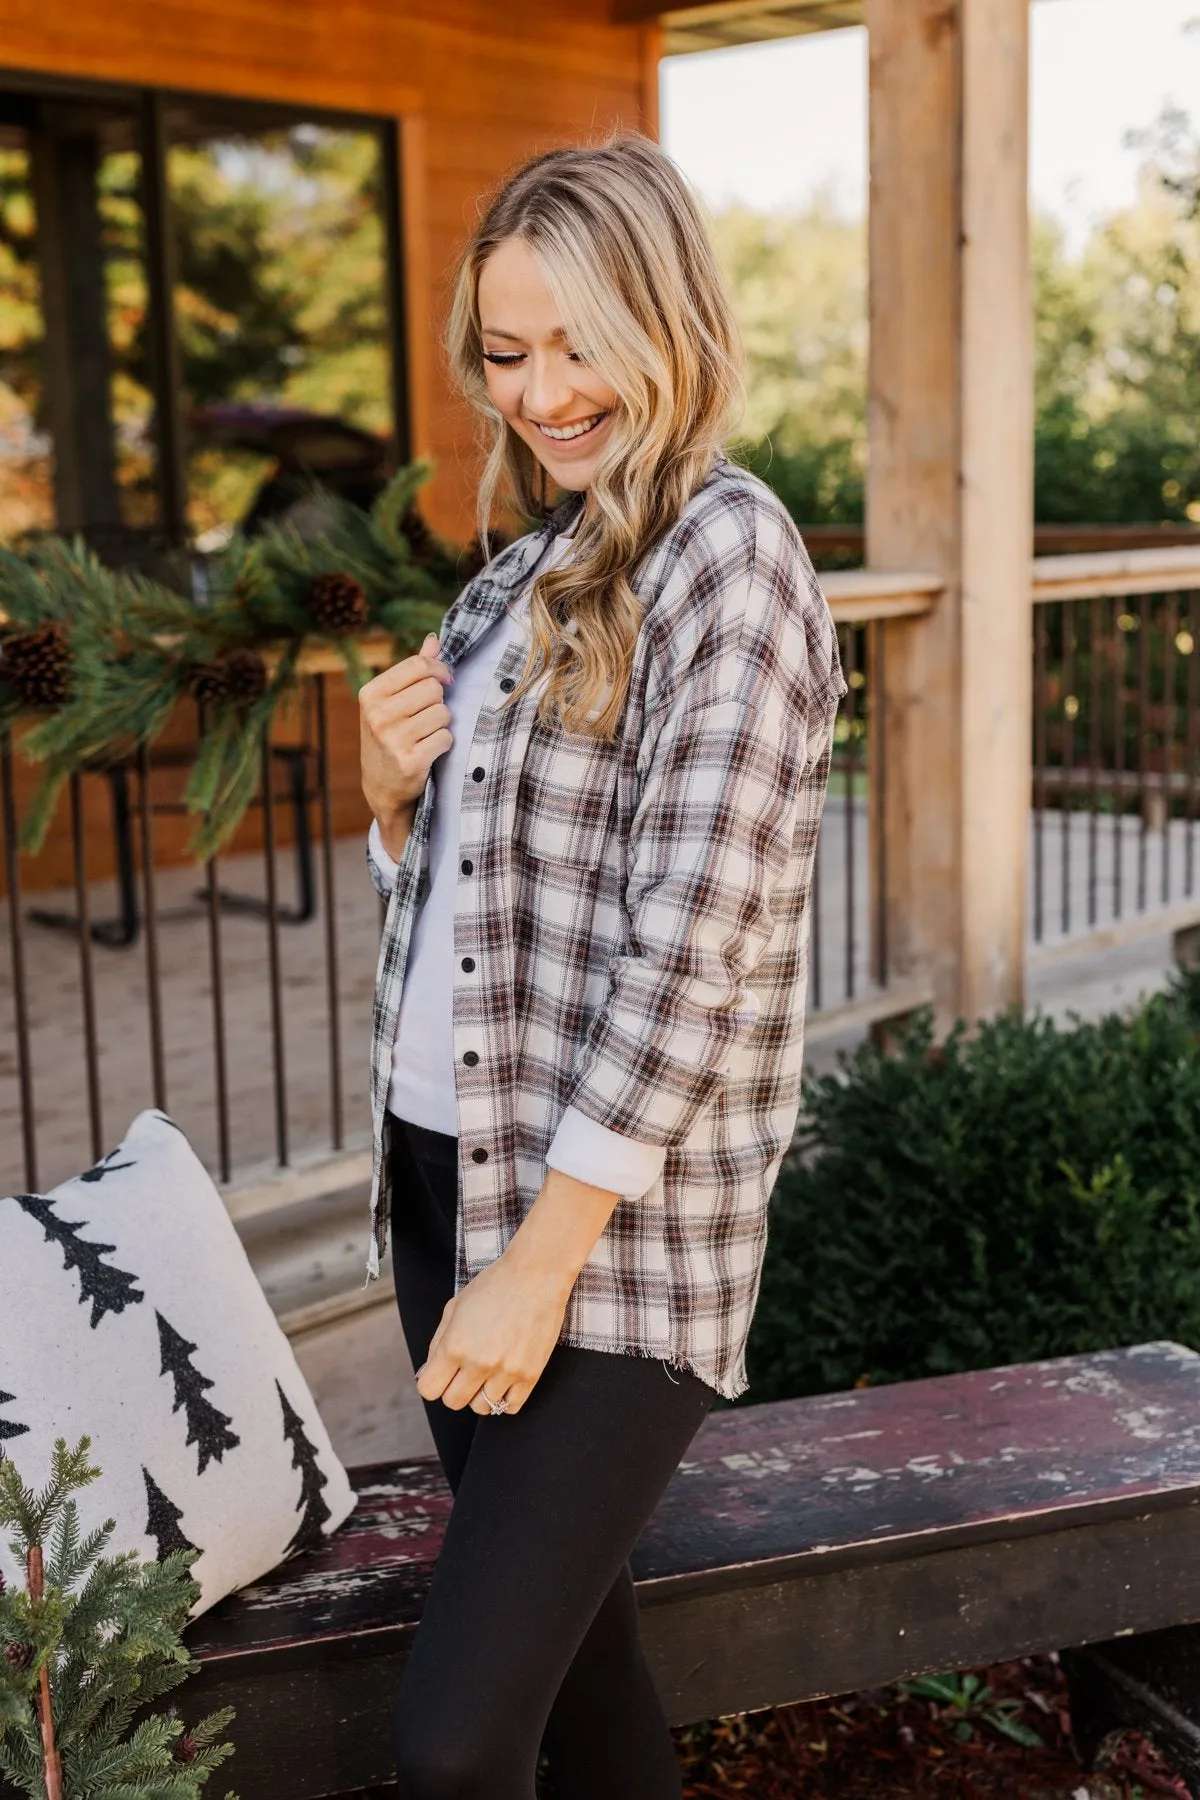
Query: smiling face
(561, 408)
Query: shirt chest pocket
(566, 800)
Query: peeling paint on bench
(958, 1459)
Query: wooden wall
(475, 87)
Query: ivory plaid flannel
(632, 936)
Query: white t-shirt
(422, 1083)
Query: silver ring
(494, 1406)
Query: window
(198, 315)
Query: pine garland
(101, 659)
(89, 1645)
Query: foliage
(107, 1632)
(1022, 1192)
(1117, 340)
(798, 283)
(971, 1702)
(135, 647)
(886, 1744)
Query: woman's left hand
(495, 1336)
(497, 1333)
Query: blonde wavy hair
(621, 242)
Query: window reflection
(76, 412)
(271, 239)
(281, 315)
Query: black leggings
(530, 1631)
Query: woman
(596, 802)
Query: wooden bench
(804, 1548)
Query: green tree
(1117, 337)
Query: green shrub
(1028, 1191)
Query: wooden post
(950, 484)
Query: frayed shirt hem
(730, 1387)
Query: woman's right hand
(404, 724)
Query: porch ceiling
(716, 24)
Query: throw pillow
(131, 1313)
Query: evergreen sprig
(106, 1629)
(132, 648)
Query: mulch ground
(891, 1745)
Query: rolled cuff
(382, 865)
(592, 1153)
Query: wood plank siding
(475, 89)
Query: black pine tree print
(208, 1429)
(106, 1166)
(108, 1289)
(9, 1427)
(162, 1522)
(304, 1457)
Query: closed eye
(508, 359)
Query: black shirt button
(477, 774)
(507, 685)
(479, 1156)
(470, 1057)
(467, 865)
(468, 963)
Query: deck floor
(1091, 983)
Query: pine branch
(390, 508)
(32, 1513)
(100, 1654)
(126, 650)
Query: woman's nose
(547, 388)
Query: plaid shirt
(631, 938)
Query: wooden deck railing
(1116, 754)
(1114, 853)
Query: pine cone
(185, 1749)
(18, 1656)
(337, 605)
(246, 676)
(208, 683)
(37, 666)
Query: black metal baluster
(1039, 772)
(1189, 830)
(814, 902)
(158, 1060)
(876, 702)
(220, 1052)
(1120, 660)
(275, 972)
(336, 1106)
(16, 938)
(87, 971)
(1070, 703)
(1143, 771)
(1171, 627)
(1095, 616)
(851, 811)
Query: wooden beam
(719, 24)
(1081, 577)
(949, 484)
